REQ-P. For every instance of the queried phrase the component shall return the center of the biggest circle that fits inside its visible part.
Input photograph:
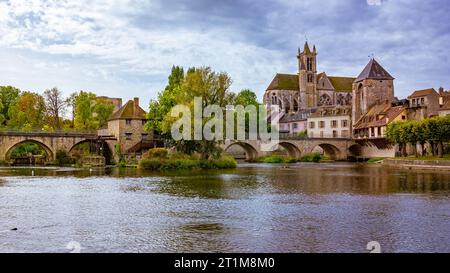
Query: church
(327, 106)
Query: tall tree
(71, 104)
(8, 97)
(56, 106)
(84, 109)
(103, 110)
(28, 112)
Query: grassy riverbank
(313, 157)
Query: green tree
(420, 132)
(28, 112)
(103, 110)
(166, 100)
(213, 88)
(394, 134)
(84, 109)
(8, 97)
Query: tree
(8, 97)
(84, 109)
(70, 101)
(56, 106)
(213, 88)
(393, 133)
(103, 110)
(28, 112)
(160, 107)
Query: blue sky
(126, 48)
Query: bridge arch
(250, 152)
(329, 150)
(291, 149)
(48, 151)
(355, 150)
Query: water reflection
(267, 208)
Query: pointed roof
(284, 82)
(423, 93)
(374, 70)
(129, 111)
(306, 49)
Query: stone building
(126, 126)
(299, 95)
(423, 104)
(374, 85)
(330, 122)
(444, 102)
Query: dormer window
(128, 122)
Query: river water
(254, 208)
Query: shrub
(313, 157)
(375, 160)
(276, 159)
(155, 153)
(63, 158)
(150, 164)
(224, 162)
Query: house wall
(327, 131)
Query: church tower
(374, 85)
(307, 76)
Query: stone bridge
(51, 142)
(335, 148)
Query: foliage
(28, 112)
(122, 161)
(63, 158)
(91, 113)
(155, 153)
(181, 161)
(312, 157)
(302, 134)
(27, 149)
(56, 106)
(434, 130)
(374, 160)
(8, 97)
(276, 159)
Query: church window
(310, 78)
(309, 64)
(325, 100)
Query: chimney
(136, 104)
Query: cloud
(126, 47)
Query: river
(332, 207)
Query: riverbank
(442, 164)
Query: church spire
(306, 49)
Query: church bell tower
(307, 76)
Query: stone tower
(374, 85)
(307, 76)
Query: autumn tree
(56, 106)
(28, 112)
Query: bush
(276, 159)
(313, 157)
(187, 162)
(150, 164)
(156, 153)
(375, 160)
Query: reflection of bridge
(51, 142)
(335, 148)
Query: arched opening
(328, 150)
(287, 149)
(29, 152)
(325, 100)
(354, 152)
(242, 150)
(92, 147)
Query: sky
(126, 48)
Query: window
(344, 123)
(145, 136)
(414, 101)
(321, 124)
(309, 64)
(128, 136)
(128, 122)
(144, 121)
(334, 123)
(422, 101)
(310, 78)
(372, 132)
(379, 131)
(295, 126)
(403, 117)
(312, 125)
(321, 133)
(335, 134)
